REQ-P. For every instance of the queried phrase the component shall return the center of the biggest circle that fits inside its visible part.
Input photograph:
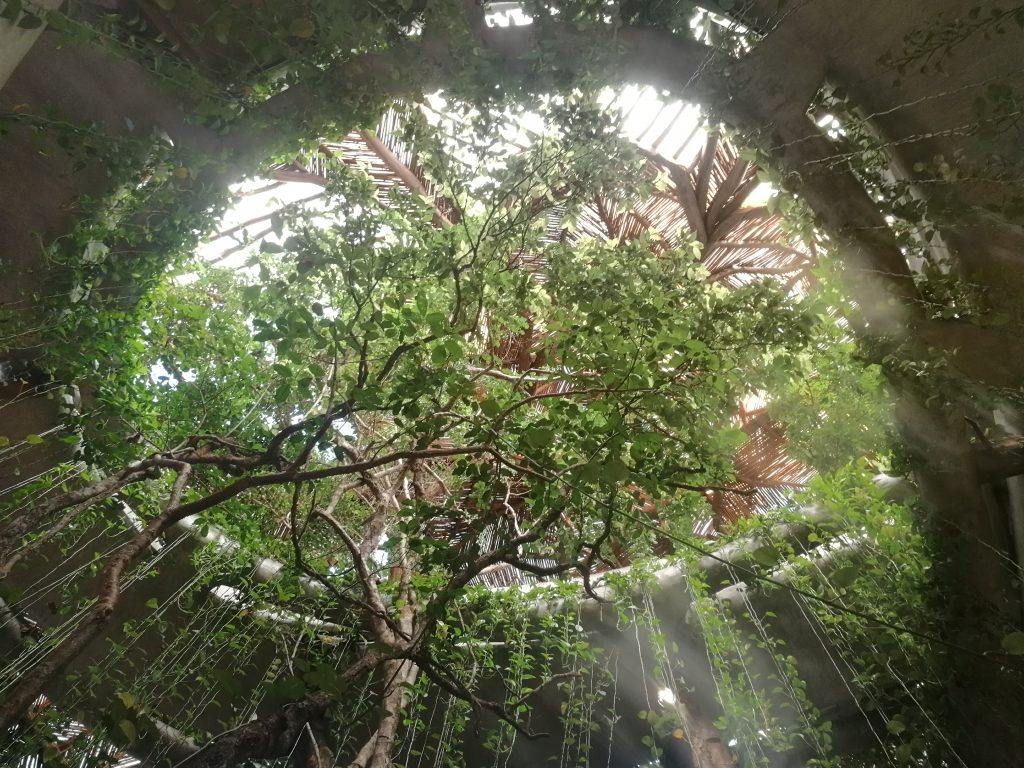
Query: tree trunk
(709, 749)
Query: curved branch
(109, 592)
(447, 681)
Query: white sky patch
(158, 374)
(504, 14)
(672, 128)
(247, 220)
(380, 555)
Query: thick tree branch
(1000, 461)
(383, 627)
(109, 591)
(274, 735)
(80, 499)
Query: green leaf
(325, 677)
(589, 472)
(844, 576)
(439, 355)
(127, 727)
(615, 470)
(287, 689)
(454, 350)
(221, 30)
(11, 10)
(539, 437)
(732, 438)
(766, 555)
(490, 407)
(896, 726)
(9, 593)
(1013, 643)
(436, 322)
(33, 439)
(152, 603)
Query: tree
(764, 92)
(358, 378)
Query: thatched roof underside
(382, 155)
(764, 471)
(706, 201)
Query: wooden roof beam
(404, 173)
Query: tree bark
(709, 748)
(77, 500)
(395, 675)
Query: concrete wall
(16, 41)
